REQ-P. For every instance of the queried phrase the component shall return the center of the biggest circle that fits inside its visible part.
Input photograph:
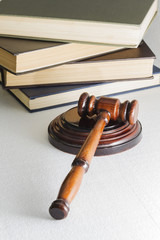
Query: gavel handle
(59, 208)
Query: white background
(152, 37)
(120, 196)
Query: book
(40, 98)
(125, 64)
(23, 55)
(121, 22)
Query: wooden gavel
(105, 108)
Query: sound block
(68, 132)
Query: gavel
(106, 109)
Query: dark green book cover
(121, 22)
(120, 11)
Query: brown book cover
(24, 55)
(120, 65)
(39, 98)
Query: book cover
(40, 98)
(120, 65)
(120, 22)
(23, 55)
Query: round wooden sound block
(68, 132)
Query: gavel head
(127, 111)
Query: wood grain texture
(68, 132)
(106, 109)
(126, 111)
(72, 182)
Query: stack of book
(52, 51)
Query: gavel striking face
(126, 111)
(106, 109)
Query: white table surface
(120, 194)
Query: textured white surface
(119, 197)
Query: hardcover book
(22, 55)
(121, 22)
(125, 64)
(35, 99)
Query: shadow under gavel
(106, 109)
